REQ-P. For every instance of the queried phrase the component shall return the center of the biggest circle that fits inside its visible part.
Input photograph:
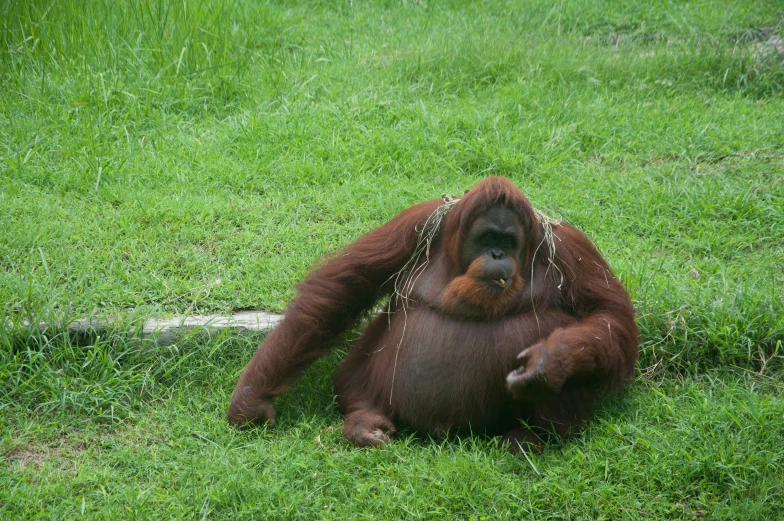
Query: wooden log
(169, 331)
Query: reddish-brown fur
(457, 357)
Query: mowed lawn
(178, 157)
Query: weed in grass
(151, 149)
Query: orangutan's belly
(447, 373)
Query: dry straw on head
(411, 270)
(427, 231)
(548, 237)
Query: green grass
(187, 157)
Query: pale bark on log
(169, 331)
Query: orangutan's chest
(445, 373)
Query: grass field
(167, 157)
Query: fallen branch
(169, 331)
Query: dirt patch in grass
(37, 455)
